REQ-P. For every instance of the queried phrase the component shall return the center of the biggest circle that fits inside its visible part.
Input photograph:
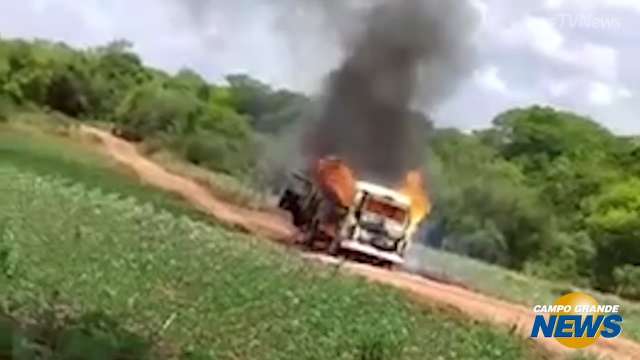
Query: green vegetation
(549, 193)
(209, 125)
(93, 264)
(240, 191)
(43, 154)
(516, 287)
(546, 192)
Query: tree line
(217, 126)
(547, 192)
(544, 191)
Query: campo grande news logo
(576, 320)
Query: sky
(578, 55)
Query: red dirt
(277, 227)
(263, 223)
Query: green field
(30, 148)
(92, 263)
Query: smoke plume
(392, 61)
(410, 52)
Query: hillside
(471, 304)
(95, 263)
(542, 191)
(544, 201)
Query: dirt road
(263, 223)
(271, 225)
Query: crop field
(92, 263)
(32, 149)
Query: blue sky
(574, 54)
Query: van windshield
(385, 209)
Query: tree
(70, 91)
(537, 135)
(614, 222)
(285, 108)
(250, 95)
(29, 74)
(116, 72)
(190, 81)
(487, 209)
(269, 111)
(567, 156)
(150, 109)
(627, 280)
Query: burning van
(332, 207)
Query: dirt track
(274, 226)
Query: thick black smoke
(396, 59)
(409, 52)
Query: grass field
(516, 287)
(92, 263)
(40, 152)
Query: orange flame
(336, 178)
(414, 188)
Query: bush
(217, 153)
(485, 204)
(568, 257)
(627, 280)
(8, 249)
(615, 223)
(6, 108)
(206, 151)
(150, 110)
(70, 92)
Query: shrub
(627, 280)
(8, 251)
(217, 153)
(6, 107)
(151, 109)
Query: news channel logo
(576, 320)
